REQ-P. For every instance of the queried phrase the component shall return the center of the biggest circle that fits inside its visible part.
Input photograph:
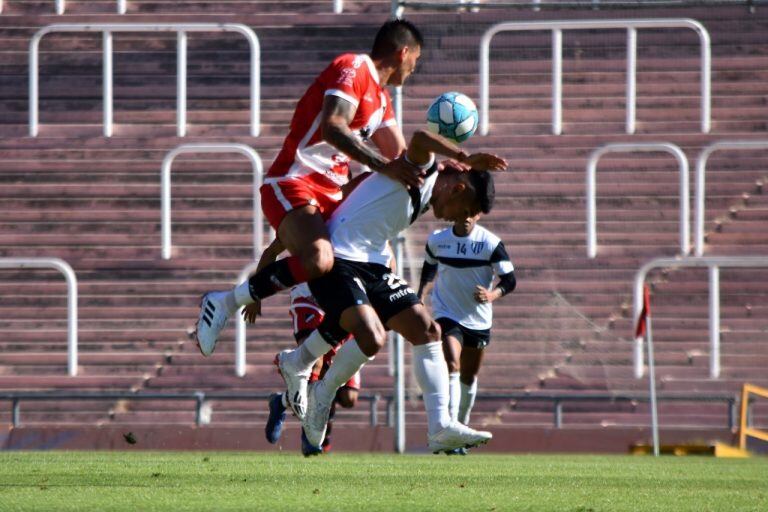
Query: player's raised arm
(424, 143)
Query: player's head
(460, 194)
(398, 44)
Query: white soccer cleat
(296, 381)
(316, 420)
(213, 317)
(456, 436)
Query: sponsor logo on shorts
(400, 294)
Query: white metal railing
(701, 169)
(713, 263)
(165, 190)
(240, 325)
(598, 153)
(60, 6)
(69, 274)
(632, 25)
(181, 63)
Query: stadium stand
(95, 202)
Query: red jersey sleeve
(347, 77)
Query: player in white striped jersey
(465, 258)
(361, 295)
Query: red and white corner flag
(642, 320)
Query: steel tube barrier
(165, 189)
(631, 25)
(69, 274)
(713, 263)
(61, 7)
(200, 398)
(240, 366)
(598, 153)
(701, 193)
(181, 29)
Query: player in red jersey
(346, 107)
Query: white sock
(242, 294)
(455, 395)
(468, 394)
(432, 376)
(304, 356)
(284, 399)
(347, 361)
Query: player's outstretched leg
(431, 372)
(274, 426)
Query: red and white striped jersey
(304, 153)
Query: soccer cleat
(296, 383)
(316, 420)
(455, 436)
(213, 317)
(276, 418)
(306, 448)
(457, 451)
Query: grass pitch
(90, 481)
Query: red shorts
(280, 197)
(306, 316)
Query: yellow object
(746, 431)
(717, 449)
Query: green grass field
(95, 481)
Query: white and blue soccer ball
(453, 115)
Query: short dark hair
(394, 35)
(485, 190)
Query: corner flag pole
(644, 327)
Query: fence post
(375, 409)
(714, 322)
(15, 412)
(199, 401)
(558, 414)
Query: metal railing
(632, 25)
(61, 7)
(713, 263)
(672, 149)
(165, 189)
(558, 400)
(701, 170)
(201, 399)
(240, 366)
(181, 63)
(69, 274)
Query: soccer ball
(452, 115)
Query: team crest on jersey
(477, 247)
(347, 76)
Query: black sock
(273, 278)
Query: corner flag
(642, 320)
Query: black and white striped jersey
(463, 262)
(376, 212)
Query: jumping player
(465, 259)
(361, 295)
(346, 107)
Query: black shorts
(351, 283)
(473, 338)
